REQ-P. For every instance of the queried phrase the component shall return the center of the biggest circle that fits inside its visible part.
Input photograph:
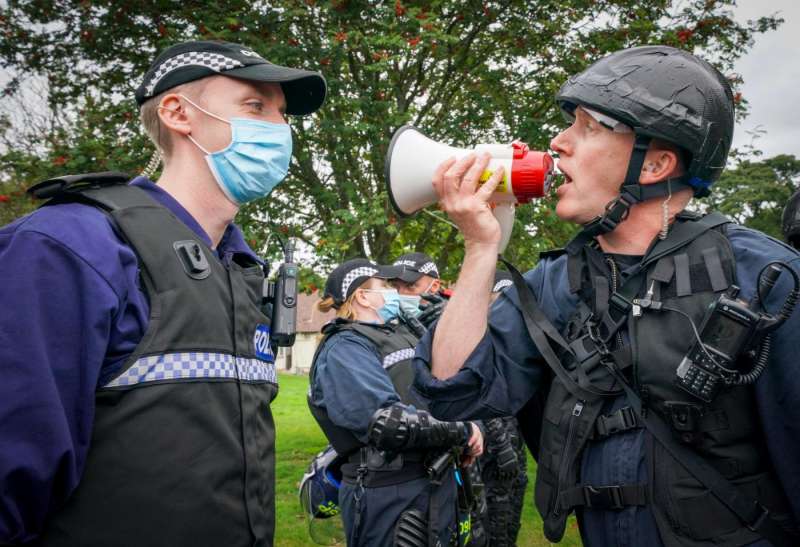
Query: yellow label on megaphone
(502, 186)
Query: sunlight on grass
(299, 439)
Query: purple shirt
(73, 311)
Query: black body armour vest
(182, 450)
(725, 432)
(395, 345)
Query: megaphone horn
(412, 159)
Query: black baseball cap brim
(407, 275)
(190, 61)
(304, 90)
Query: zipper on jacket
(614, 278)
(565, 460)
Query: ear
(361, 298)
(658, 165)
(173, 114)
(437, 284)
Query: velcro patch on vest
(397, 356)
(196, 366)
(261, 342)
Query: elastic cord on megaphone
(437, 217)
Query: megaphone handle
(504, 213)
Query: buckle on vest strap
(605, 497)
(620, 303)
(620, 420)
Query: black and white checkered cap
(189, 61)
(350, 275)
(415, 265)
(502, 279)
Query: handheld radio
(732, 330)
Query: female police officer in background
(359, 396)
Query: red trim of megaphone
(531, 172)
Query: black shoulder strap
(57, 186)
(552, 253)
(681, 235)
(540, 330)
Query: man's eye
(256, 105)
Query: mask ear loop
(662, 235)
(204, 111)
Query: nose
(560, 143)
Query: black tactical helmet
(790, 222)
(664, 93)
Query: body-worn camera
(732, 330)
(281, 297)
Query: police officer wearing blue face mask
(137, 363)
(398, 481)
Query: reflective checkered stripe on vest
(726, 432)
(395, 345)
(182, 451)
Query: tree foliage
(754, 193)
(463, 71)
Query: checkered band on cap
(213, 61)
(427, 268)
(352, 275)
(502, 284)
(397, 356)
(196, 366)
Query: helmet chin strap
(631, 192)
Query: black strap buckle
(620, 303)
(605, 497)
(621, 420)
(756, 524)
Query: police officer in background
(790, 221)
(644, 443)
(398, 486)
(422, 301)
(419, 282)
(503, 465)
(137, 368)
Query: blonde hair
(148, 114)
(345, 311)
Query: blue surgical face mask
(409, 305)
(391, 304)
(255, 161)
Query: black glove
(414, 325)
(432, 309)
(397, 428)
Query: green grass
(299, 439)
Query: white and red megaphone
(412, 159)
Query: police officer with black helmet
(790, 220)
(138, 368)
(663, 423)
(398, 485)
